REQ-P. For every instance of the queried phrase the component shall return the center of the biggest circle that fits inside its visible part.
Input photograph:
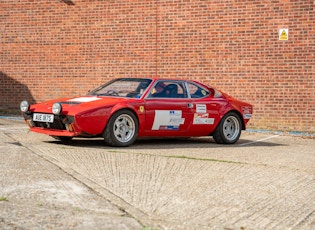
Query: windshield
(123, 87)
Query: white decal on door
(201, 108)
(167, 120)
(203, 119)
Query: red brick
(50, 49)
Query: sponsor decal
(247, 112)
(201, 108)
(247, 116)
(202, 119)
(169, 127)
(84, 99)
(167, 120)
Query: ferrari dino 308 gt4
(127, 108)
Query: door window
(196, 91)
(168, 89)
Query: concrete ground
(264, 181)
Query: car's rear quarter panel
(244, 110)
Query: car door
(205, 108)
(167, 109)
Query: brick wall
(58, 48)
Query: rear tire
(121, 129)
(229, 129)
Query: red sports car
(127, 108)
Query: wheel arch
(118, 108)
(228, 111)
(239, 115)
(229, 129)
(116, 136)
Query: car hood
(72, 106)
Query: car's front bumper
(61, 126)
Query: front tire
(229, 129)
(121, 129)
(62, 138)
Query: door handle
(190, 105)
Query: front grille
(57, 124)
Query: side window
(168, 89)
(196, 91)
